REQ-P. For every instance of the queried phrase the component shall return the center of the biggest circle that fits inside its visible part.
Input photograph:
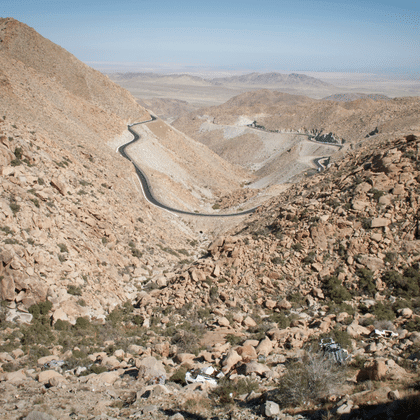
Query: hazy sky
(300, 35)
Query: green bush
(405, 285)
(233, 339)
(186, 342)
(41, 308)
(15, 162)
(413, 325)
(82, 323)
(14, 207)
(39, 332)
(382, 312)
(138, 320)
(366, 283)
(61, 325)
(298, 247)
(179, 376)
(63, 247)
(310, 258)
(74, 290)
(341, 337)
(136, 253)
(342, 307)
(335, 290)
(377, 194)
(9, 367)
(214, 293)
(280, 319)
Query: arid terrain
(114, 308)
(202, 90)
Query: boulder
(405, 312)
(46, 376)
(184, 357)
(249, 322)
(355, 330)
(107, 378)
(16, 376)
(379, 222)
(230, 360)
(255, 367)
(223, 321)
(247, 352)
(270, 304)
(284, 304)
(151, 369)
(265, 347)
(271, 409)
(38, 415)
(7, 288)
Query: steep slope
(71, 212)
(166, 108)
(183, 173)
(360, 214)
(39, 75)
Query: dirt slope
(71, 210)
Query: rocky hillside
(335, 256)
(351, 121)
(112, 309)
(360, 215)
(72, 216)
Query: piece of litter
(189, 379)
(334, 350)
(385, 333)
(208, 370)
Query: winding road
(147, 190)
(317, 161)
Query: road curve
(319, 165)
(146, 185)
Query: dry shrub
(197, 405)
(310, 379)
(185, 341)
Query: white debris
(190, 379)
(385, 333)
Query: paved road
(148, 190)
(318, 163)
(320, 167)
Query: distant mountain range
(271, 79)
(252, 79)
